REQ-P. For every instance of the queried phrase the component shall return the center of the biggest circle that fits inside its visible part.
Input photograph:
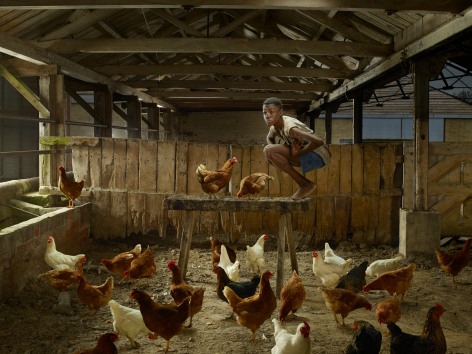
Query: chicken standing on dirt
(454, 263)
(69, 187)
(128, 322)
(396, 281)
(216, 252)
(354, 280)
(255, 255)
(431, 341)
(143, 266)
(180, 290)
(342, 301)
(232, 269)
(253, 184)
(165, 320)
(243, 289)
(104, 345)
(94, 296)
(388, 310)
(381, 266)
(253, 311)
(328, 273)
(62, 279)
(292, 296)
(213, 181)
(59, 260)
(366, 340)
(288, 343)
(122, 261)
(332, 258)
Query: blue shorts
(310, 161)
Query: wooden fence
(358, 195)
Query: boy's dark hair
(275, 101)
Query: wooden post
(154, 120)
(51, 93)
(357, 118)
(280, 255)
(421, 130)
(329, 124)
(134, 118)
(186, 240)
(103, 106)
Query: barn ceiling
(231, 55)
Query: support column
(329, 124)
(51, 93)
(134, 118)
(357, 118)
(153, 118)
(103, 106)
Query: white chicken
(288, 343)
(331, 257)
(327, 272)
(231, 269)
(383, 265)
(58, 260)
(255, 255)
(129, 322)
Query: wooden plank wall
(358, 194)
(449, 185)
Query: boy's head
(274, 101)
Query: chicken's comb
(171, 263)
(314, 254)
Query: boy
(300, 146)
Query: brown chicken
(292, 296)
(395, 281)
(69, 187)
(143, 266)
(342, 301)
(180, 290)
(104, 345)
(213, 181)
(388, 310)
(454, 263)
(165, 320)
(253, 184)
(62, 279)
(253, 311)
(216, 252)
(122, 261)
(431, 341)
(94, 296)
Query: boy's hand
(295, 148)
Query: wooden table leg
(291, 242)
(186, 240)
(285, 232)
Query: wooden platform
(285, 206)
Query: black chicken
(354, 280)
(243, 289)
(367, 339)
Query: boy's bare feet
(304, 191)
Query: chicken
(395, 281)
(180, 290)
(255, 255)
(165, 320)
(63, 279)
(104, 345)
(332, 258)
(243, 289)
(94, 296)
(128, 322)
(388, 310)
(366, 340)
(342, 301)
(292, 296)
(384, 265)
(354, 280)
(431, 341)
(288, 343)
(454, 263)
(122, 261)
(69, 187)
(213, 181)
(253, 184)
(253, 311)
(143, 266)
(59, 260)
(232, 269)
(328, 273)
(216, 251)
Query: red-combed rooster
(454, 263)
(213, 181)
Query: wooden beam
(216, 45)
(27, 51)
(455, 6)
(236, 70)
(21, 68)
(25, 91)
(228, 95)
(241, 85)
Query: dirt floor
(27, 324)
